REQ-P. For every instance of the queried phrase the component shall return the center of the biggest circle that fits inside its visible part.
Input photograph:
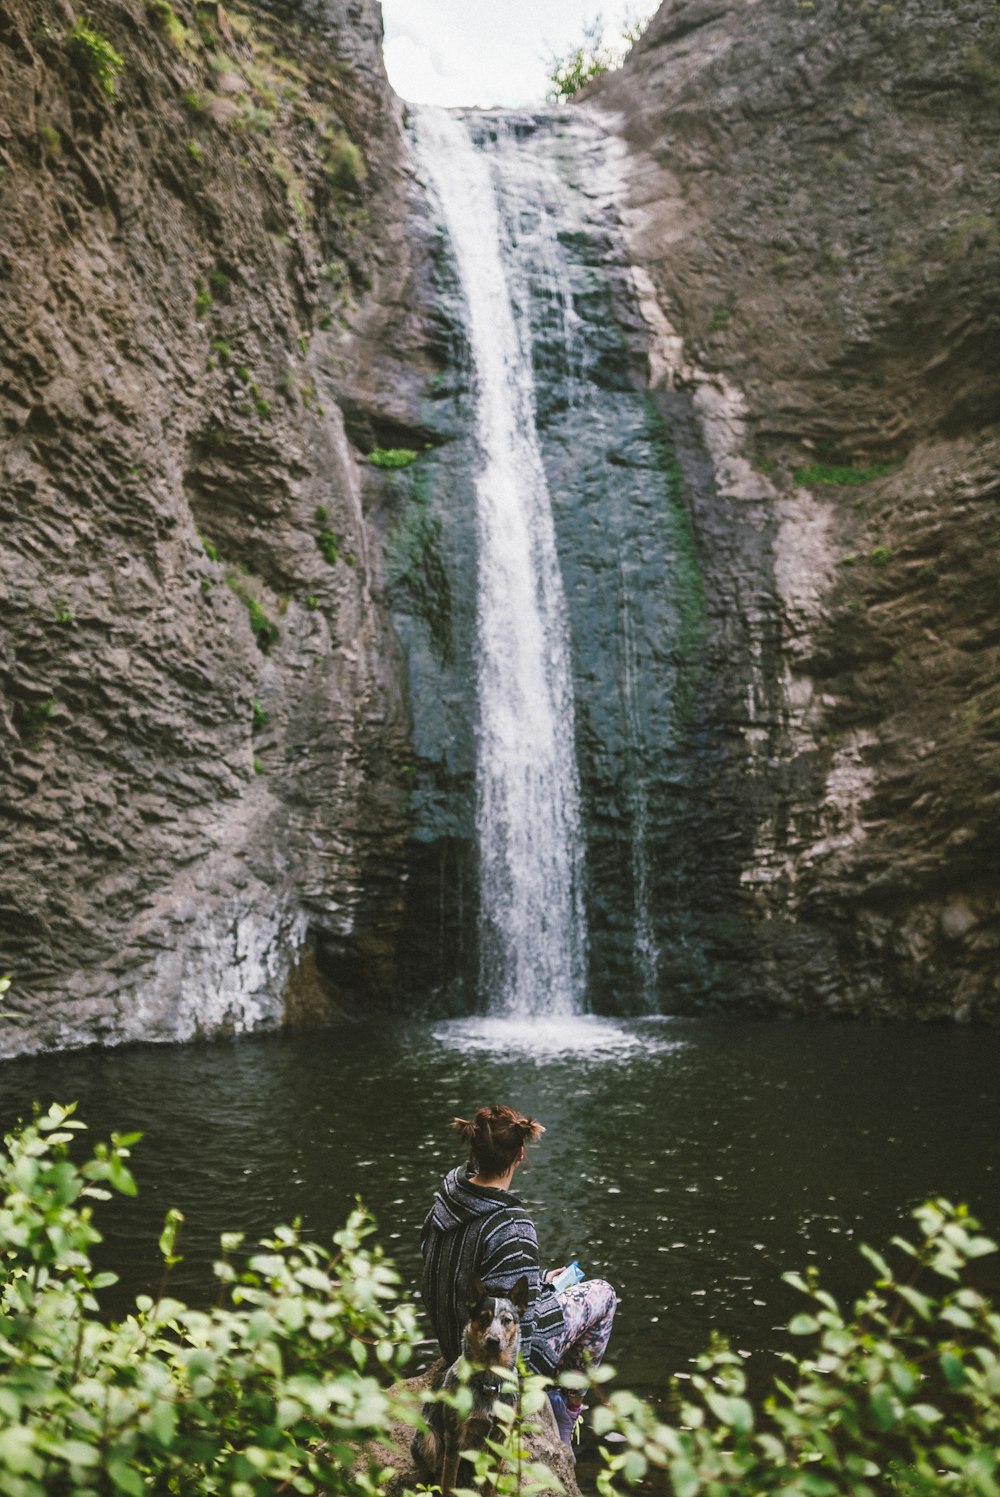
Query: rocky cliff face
(811, 204)
(202, 719)
(220, 291)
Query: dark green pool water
(689, 1161)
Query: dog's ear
(475, 1290)
(519, 1295)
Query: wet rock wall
(812, 214)
(202, 723)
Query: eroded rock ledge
(812, 209)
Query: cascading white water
(527, 787)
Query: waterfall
(528, 822)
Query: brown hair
(496, 1136)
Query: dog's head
(492, 1337)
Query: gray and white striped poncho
(474, 1229)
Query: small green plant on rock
(261, 622)
(880, 556)
(95, 57)
(50, 140)
(844, 476)
(392, 457)
(328, 542)
(31, 722)
(343, 162)
(63, 612)
(259, 716)
(166, 19)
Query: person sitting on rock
(477, 1226)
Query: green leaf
(923, 1305)
(163, 1421)
(79, 1453)
(884, 1407)
(954, 1316)
(878, 1262)
(168, 1237)
(126, 1479)
(803, 1325)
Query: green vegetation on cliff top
(598, 52)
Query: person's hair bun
(465, 1130)
(495, 1137)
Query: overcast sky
(486, 52)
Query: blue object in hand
(571, 1274)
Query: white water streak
(528, 797)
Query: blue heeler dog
(491, 1340)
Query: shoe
(565, 1417)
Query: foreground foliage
(282, 1385)
(901, 1397)
(282, 1382)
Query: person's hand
(553, 1274)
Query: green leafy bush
(285, 1384)
(572, 70)
(94, 55)
(276, 1388)
(901, 1397)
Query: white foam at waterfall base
(527, 788)
(584, 1036)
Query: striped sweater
(473, 1229)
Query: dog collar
(498, 1387)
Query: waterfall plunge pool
(690, 1161)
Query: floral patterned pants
(588, 1312)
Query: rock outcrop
(203, 725)
(811, 204)
(541, 1438)
(221, 291)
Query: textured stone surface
(219, 290)
(542, 1442)
(201, 826)
(811, 204)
